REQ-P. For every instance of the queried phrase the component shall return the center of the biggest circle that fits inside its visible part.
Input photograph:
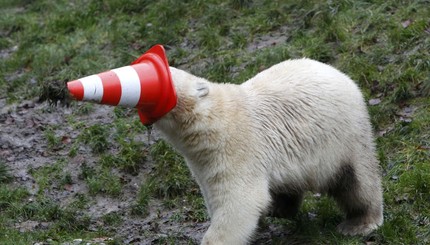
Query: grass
(5, 175)
(49, 175)
(16, 208)
(383, 45)
(171, 182)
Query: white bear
(298, 126)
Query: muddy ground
(24, 147)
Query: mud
(24, 147)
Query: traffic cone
(146, 84)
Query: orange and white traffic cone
(146, 85)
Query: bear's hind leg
(358, 192)
(285, 205)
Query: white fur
(291, 128)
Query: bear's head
(193, 94)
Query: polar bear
(298, 126)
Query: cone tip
(76, 89)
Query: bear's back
(306, 111)
(293, 77)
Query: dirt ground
(23, 147)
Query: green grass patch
(171, 182)
(104, 181)
(96, 136)
(112, 219)
(59, 223)
(50, 175)
(5, 175)
(171, 173)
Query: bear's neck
(212, 130)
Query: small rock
(408, 110)
(77, 241)
(402, 199)
(312, 216)
(44, 225)
(381, 133)
(406, 23)
(27, 226)
(374, 101)
(27, 104)
(405, 119)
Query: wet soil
(24, 147)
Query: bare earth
(23, 147)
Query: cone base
(167, 98)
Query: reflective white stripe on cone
(130, 86)
(93, 88)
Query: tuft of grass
(405, 161)
(416, 182)
(170, 181)
(140, 207)
(128, 159)
(239, 4)
(11, 196)
(96, 136)
(104, 181)
(101, 180)
(112, 219)
(174, 239)
(163, 182)
(132, 152)
(49, 175)
(84, 109)
(5, 175)
(52, 139)
(171, 173)
(46, 210)
(55, 93)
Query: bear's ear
(202, 89)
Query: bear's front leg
(236, 207)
